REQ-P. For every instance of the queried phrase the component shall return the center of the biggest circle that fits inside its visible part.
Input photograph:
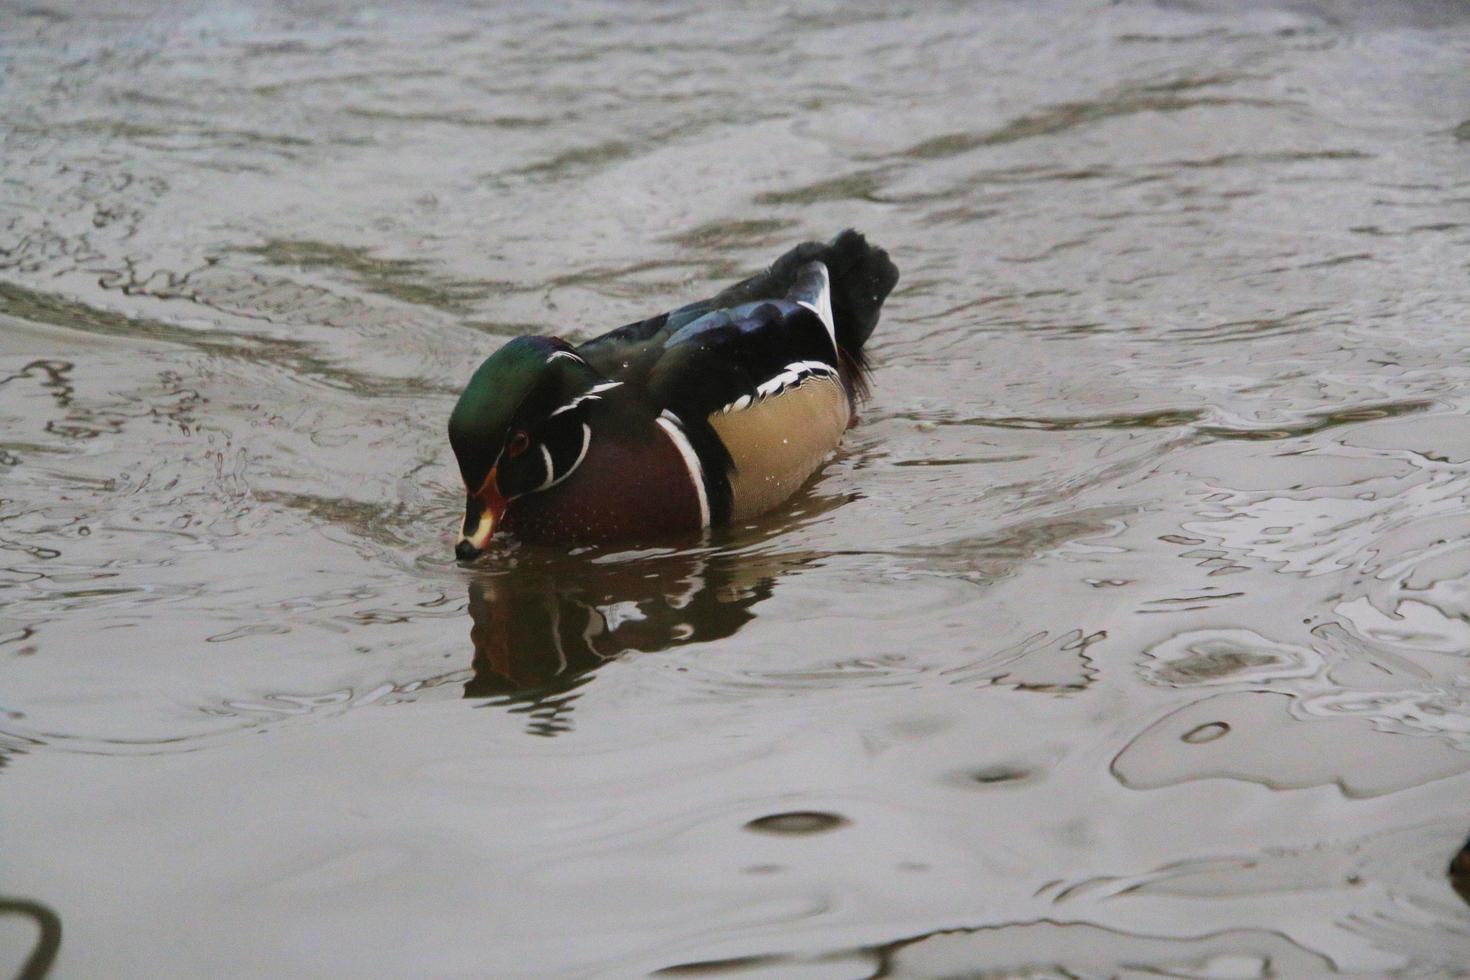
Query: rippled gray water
(1126, 636)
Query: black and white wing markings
(750, 351)
(813, 290)
(789, 377)
(753, 330)
(718, 357)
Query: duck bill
(482, 514)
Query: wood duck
(712, 413)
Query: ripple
(1206, 657)
(1171, 310)
(43, 953)
(1314, 422)
(711, 968)
(1255, 737)
(797, 823)
(1000, 774)
(408, 280)
(1160, 419)
(1061, 118)
(1082, 949)
(1040, 663)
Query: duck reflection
(543, 626)
(1460, 873)
(48, 934)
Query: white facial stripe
(605, 386)
(671, 424)
(823, 306)
(551, 478)
(550, 469)
(566, 354)
(586, 444)
(575, 402)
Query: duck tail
(859, 278)
(862, 276)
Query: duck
(710, 414)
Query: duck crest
(529, 376)
(714, 412)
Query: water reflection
(1084, 949)
(48, 939)
(543, 625)
(1460, 873)
(1157, 517)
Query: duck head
(519, 428)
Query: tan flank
(778, 442)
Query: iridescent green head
(520, 427)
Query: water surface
(1126, 635)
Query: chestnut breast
(637, 484)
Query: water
(1125, 636)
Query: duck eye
(518, 444)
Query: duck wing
(817, 303)
(699, 368)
